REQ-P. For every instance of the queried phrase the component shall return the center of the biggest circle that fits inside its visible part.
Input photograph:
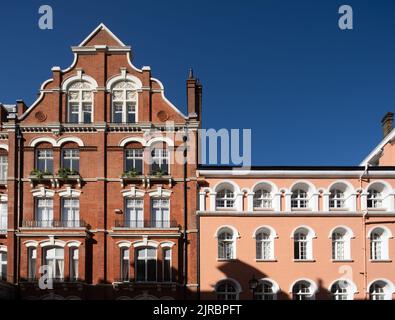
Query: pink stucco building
(300, 232)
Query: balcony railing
(53, 224)
(146, 224)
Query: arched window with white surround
(264, 238)
(341, 246)
(379, 197)
(303, 196)
(342, 290)
(303, 290)
(73, 263)
(124, 264)
(124, 102)
(342, 196)
(265, 196)
(80, 102)
(160, 159)
(266, 290)
(3, 213)
(146, 264)
(227, 290)
(226, 243)
(381, 290)
(379, 243)
(303, 243)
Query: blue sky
(311, 93)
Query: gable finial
(190, 76)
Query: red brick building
(92, 185)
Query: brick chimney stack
(387, 123)
(193, 93)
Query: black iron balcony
(146, 224)
(54, 224)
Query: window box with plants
(133, 176)
(159, 175)
(37, 176)
(68, 175)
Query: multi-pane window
(71, 159)
(225, 199)
(54, 258)
(340, 290)
(134, 214)
(32, 256)
(44, 160)
(377, 291)
(262, 199)
(226, 245)
(167, 265)
(336, 199)
(44, 212)
(160, 160)
(263, 246)
(80, 102)
(264, 291)
(74, 264)
(134, 160)
(71, 212)
(3, 216)
(299, 199)
(124, 102)
(160, 213)
(3, 168)
(338, 246)
(302, 291)
(125, 264)
(226, 291)
(3, 265)
(375, 199)
(376, 245)
(146, 264)
(301, 246)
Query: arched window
(264, 244)
(379, 244)
(299, 199)
(265, 291)
(54, 257)
(227, 290)
(380, 290)
(3, 215)
(32, 257)
(262, 199)
(160, 159)
(44, 212)
(226, 244)
(124, 102)
(134, 156)
(225, 198)
(44, 158)
(70, 159)
(80, 102)
(341, 244)
(3, 264)
(3, 165)
(375, 199)
(379, 196)
(337, 199)
(146, 265)
(303, 290)
(342, 290)
(303, 246)
(166, 267)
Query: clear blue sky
(311, 93)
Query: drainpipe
(364, 248)
(19, 199)
(185, 243)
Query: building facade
(93, 193)
(300, 232)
